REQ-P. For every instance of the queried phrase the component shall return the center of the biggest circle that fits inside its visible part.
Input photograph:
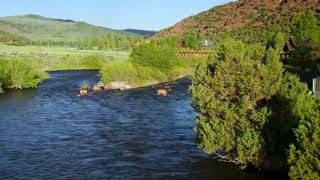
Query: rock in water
(119, 85)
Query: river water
(51, 133)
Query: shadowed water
(51, 133)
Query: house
(207, 43)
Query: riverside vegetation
(251, 111)
(151, 63)
(18, 75)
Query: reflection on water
(52, 133)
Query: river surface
(51, 133)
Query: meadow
(61, 58)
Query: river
(51, 133)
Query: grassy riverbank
(25, 66)
(141, 76)
(150, 64)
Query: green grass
(34, 51)
(60, 58)
(141, 76)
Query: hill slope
(243, 16)
(36, 27)
(140, 32)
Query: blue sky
(117, 14)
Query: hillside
(140, 32)
(35, 28)
(242, 18)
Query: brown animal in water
(96, 88)
(83, 92)
(106, 87)
(162, 92)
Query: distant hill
(243, 17)
(35, 28)
(140, 32)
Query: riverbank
(138, 76)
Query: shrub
(23, 76)
(5, 78)
(304, 153)
(248, 110)
(151, 55)
(227, 91)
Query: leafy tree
(288, 106)
(227, 91)
(278, 41)
(307, 34)
(251, 113)
(304, 155)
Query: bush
(5, 78)
(304, 152)
(248, 110)
(23, 76)
(227, 92)
(17, 74)
(151, 55)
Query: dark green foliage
(304, 155)
(307, 39)
(5, 79)
(152, 55)
(251, 113)
(227, 92)
(277, 41)
(288, 106)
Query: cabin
(207, 43)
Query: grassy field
(43, 51)
(61, 58)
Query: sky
(116, 14)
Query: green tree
(227, 92)
(307, 34)
(304, 154)
(278, 41)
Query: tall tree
(307, 34)
(227, 92)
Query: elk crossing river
(52, 133)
